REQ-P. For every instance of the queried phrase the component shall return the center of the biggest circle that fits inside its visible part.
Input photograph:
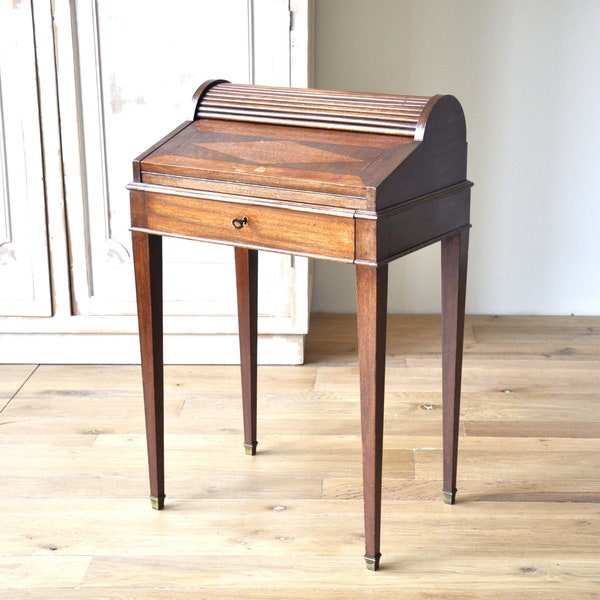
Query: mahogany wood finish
(454, 275)
(371, 301)
(351, 177)
(147, 260)
(246, 270)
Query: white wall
(527, 73)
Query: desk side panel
(439, 160)
(391, 233)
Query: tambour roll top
(350, 111)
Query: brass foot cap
(250, 448)
(158, 502)
(372, 562)
(449, 497)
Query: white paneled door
(94, 83)
(24, 264)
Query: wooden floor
(76, 522)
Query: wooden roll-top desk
(351, 177)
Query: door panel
(136, 65)
(24, 266)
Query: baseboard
(119, 348)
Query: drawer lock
(239, 223)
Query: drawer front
(304, 231)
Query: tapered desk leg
(454, 283)
(371, 294)
(147, 258)
(246, 269)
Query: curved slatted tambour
(367, 113)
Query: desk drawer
(307, 230)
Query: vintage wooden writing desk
(355, 178)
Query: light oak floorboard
(288, 523)
(12, 378)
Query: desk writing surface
(259, 156)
